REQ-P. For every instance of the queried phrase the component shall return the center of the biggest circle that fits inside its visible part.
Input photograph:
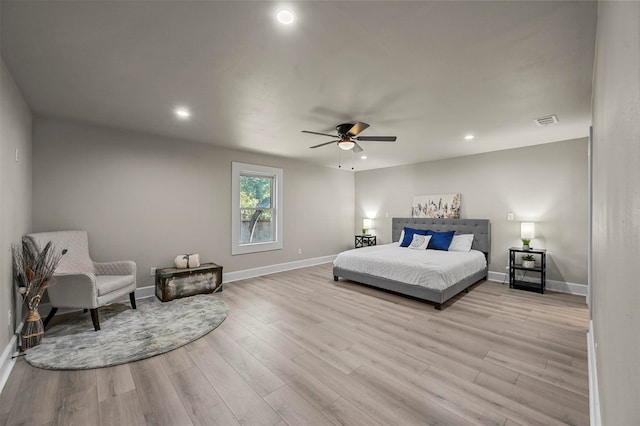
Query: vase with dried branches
(33, 273)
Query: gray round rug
(126, 334)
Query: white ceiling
(427, 72)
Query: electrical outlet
(153, 271)
(299, 251)
(10, 317)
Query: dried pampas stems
(33, 273)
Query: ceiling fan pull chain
(339, 163)
(352, 160)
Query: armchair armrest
(76, 290)
(123, 267)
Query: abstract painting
(443, 206)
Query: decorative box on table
(174, 283)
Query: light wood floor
(299, 348)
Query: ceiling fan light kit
(346, 144)
(348, 136)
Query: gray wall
(546, 184)
(15, 192)
(616, 211)
(150, 198)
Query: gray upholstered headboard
(480, 228)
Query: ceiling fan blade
(377, 138)
(357, 128)
(357, 148)
(321, 134)
(323, 144)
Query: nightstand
(538, 271)
(365, 240)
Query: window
(256, 208)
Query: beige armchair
(82, 283)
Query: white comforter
(434, 269)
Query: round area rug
(126, 334)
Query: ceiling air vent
(545, 121)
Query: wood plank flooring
(301, 349)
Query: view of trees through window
(256, 209)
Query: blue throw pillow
(440, 240)
(408, 235)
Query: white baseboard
(553, 285)
(7, 361)
(594, 396)
(228, 277)
(144, 292)
(141, 293)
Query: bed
(441, 279)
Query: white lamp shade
(527, 230)
(367, 223)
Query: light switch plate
(509, 215)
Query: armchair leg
(132, 298)
(52, 312)
(95, 319)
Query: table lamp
(366, 225)
(527, 233)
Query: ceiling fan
(348, 136)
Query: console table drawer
(174, 283)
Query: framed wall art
(443, 206)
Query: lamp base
(525, 247)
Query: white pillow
(461, 242)
(419, 242)
(401, 236)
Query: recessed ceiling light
(364, 157)
(469, 137)
(182, 113)
(285, 17)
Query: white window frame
(240, 169)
